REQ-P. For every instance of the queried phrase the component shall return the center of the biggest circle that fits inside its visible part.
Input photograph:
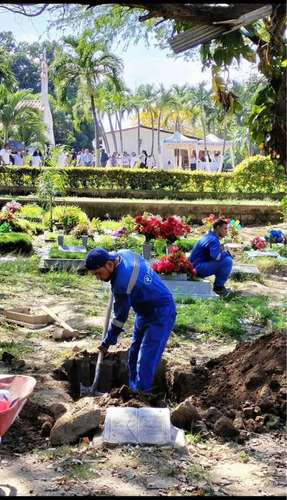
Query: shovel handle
(56, 318)
(94, 385)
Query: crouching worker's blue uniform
(134, 284)
(207, 259)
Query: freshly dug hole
(80, 369)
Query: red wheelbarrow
(20, 388)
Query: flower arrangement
(12, 206)
(275, 236)
(172, 227)
(149, 225)
(233, 227)
(121, 231)
(174, 263)
(152, 226)
(208, 221)
(257, 243)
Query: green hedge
(254, 174)
(123, 178)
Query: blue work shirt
(134, 284)
(207, 249)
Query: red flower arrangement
(172, 227)
(257, 243)
(149, 225)
(152, 226)
(174, 263)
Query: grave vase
(146, 250)
(169, 248)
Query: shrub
(283, 204)
(82, 229)
(67, 215)
(281, 250)
(105, 241)
(258, 174)
(32, 212)
(5, 227)
(15, 242)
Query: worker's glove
(103, 349)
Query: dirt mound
(29, 431)
(247, 385)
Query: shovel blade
(84, 390)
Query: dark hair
(219, 222)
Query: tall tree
(163, 102)
(89, 62)
(11, 113)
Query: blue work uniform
(207, 259)
(134, 284)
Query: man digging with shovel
(134, 284)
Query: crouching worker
(208, 257)
(134, 284)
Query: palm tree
(31, 131)
(147, 94)
(7, 77)
(163, 102)
(200, 97)
(13, 112)
(88, 62)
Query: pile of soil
(248, 386)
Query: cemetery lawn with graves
(222, 374)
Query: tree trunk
(204, 138)
(152, 133)
(97, 132)
(113, 133)
(106, 142)
(119, 121)
(139, 131)
(158, 141)
(223, 149)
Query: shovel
(92, 390)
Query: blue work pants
(220, 268)
(149, 338)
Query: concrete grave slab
(141, 426)
(245, 269)
(72, 248)
(198, 289)
(261, 253)
(64, 263)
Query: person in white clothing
(151, 161)
(5, 155)
(126, 160)
(35, 161)
(18, 158)
(134, 159)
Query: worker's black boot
(222, 290)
